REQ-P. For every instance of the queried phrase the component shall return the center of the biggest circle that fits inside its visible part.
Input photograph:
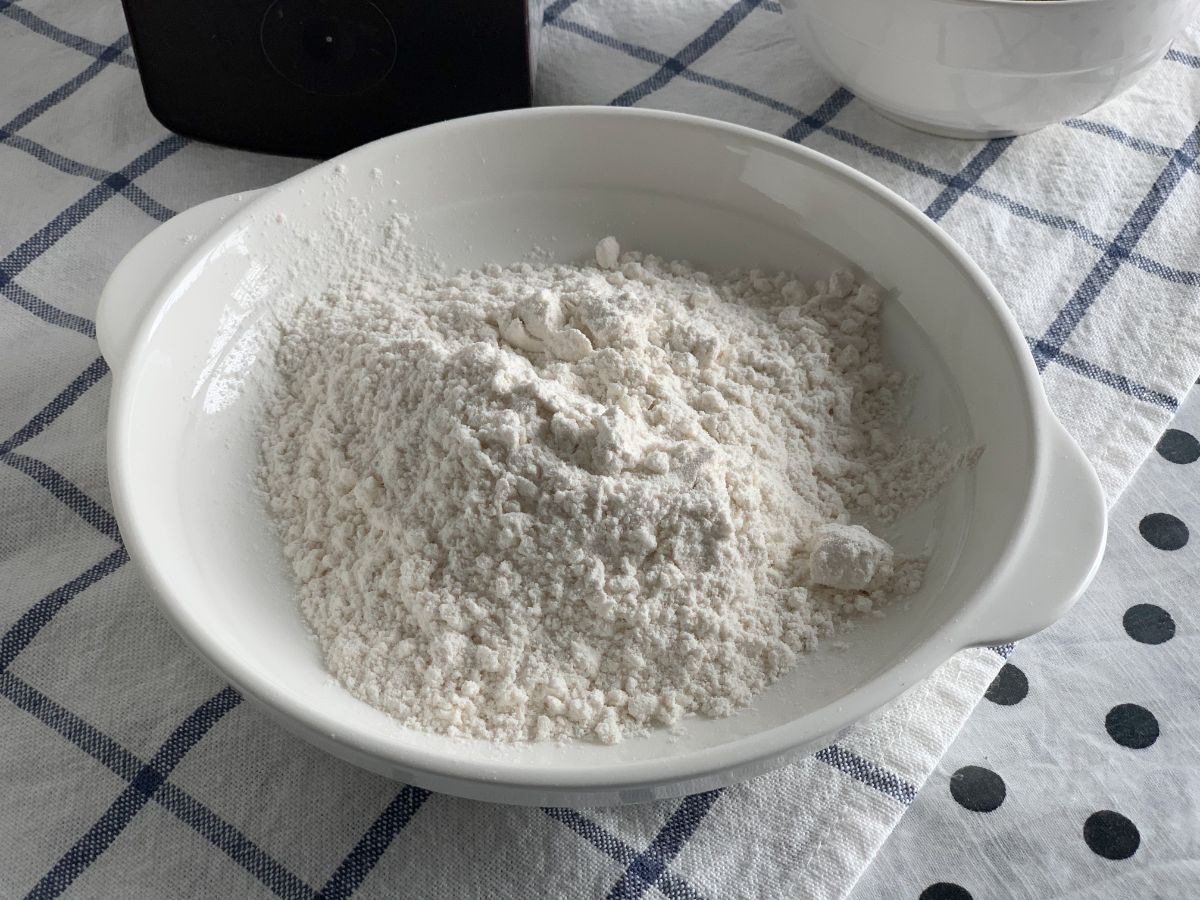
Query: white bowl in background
(987, 68)
(1012, 542)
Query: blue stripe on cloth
(821, 117)
(725, 23)
(233, 843)
(1016, 208)
(653, 56)
(967, 178)
(1044, 354)
(63, 91)
(47, 312)
(26, 628)
(63, 401)
(131, 191)
(606, 842)
(46, 237)
(888, 155)
(63, 490)
(87, 738)
(1121, 137)
(1118, 250)
(1188, 59)
(1051, 220)
(358, 864)
(39, 25)
(189, 732)
(607, 40)
(871, 774)
(1085, 234)
(1004, 651)
(129, 802)
(556, 9)
(52, 159)
(126, 766)
(146, 203)
(1165, 272)
(600, 838)
(646, 869)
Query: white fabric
(129, 770)
(1052, 747)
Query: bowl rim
(752, 751)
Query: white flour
(543, 501)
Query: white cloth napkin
(131, 770)
(1077, 777)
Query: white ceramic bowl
(987, 68)
(1013, 542)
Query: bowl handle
(136, 283)
(1060, 555)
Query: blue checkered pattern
(133, 771)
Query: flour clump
(541, 501)
(849, 557)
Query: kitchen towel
(130, 769)
(1077, 775)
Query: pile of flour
(539, 501)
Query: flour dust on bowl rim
(1011, 542)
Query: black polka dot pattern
(977, 789)
(1178, 447)
(945, 890)
(1009, 687)
(1111, 835)
(1148, 624)
(1117, 701)
(1131, 725)
(1164, 531)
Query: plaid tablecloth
(129, 769)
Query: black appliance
(317, 77)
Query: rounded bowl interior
(183, 450)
